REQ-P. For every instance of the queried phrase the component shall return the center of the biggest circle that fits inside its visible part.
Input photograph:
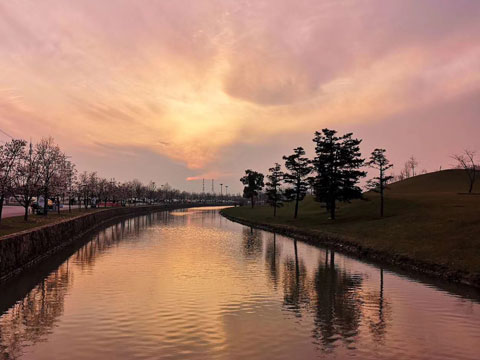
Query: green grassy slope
(453, 181)
(426, 218)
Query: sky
(177, 91)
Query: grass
(427, 218)
(16, 223)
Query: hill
(427, 218)
(449, 181)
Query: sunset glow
(188, 81)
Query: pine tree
(298, 168)
(274, 192)
(378, 184)
(337, 165)
(253, 182)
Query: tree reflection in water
(252, 243)
(295, 283)
(338, 305)
(334, 298)
(32, 317)
(272, 253)
(378, 322)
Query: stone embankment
(23, 249)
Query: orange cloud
(197, 79)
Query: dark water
(193, 285)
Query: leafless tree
(27, 180)
(466, 161)
(412, 163)
(49, 159)
(9, 154)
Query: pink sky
(167, 90)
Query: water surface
(193, 285)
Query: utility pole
(203, 186)
(213, 189)
(226, 190)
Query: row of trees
(333, 174)
(28, 171)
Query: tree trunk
(2, 198)
(25, 216)
(381, 191)
(332, 210)
(45, 205)
(296, 207)
(251, 199)
(381, 203)
(58, 205)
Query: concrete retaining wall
(23, 249)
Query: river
(191, 284)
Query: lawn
(425, 219)
(15, 224)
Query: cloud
(189, 80)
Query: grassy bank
(427, 218)
(15, 224)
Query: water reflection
(252, 243)
(32, 318)
(272, 254)
(190, 284)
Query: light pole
(221, 190)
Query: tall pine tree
(379, 161)
(273, 187)
(298, 168)
(253, 182)
(337, 165)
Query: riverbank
(23, 249)
(350, 246)
(15, 224)
(428, 227)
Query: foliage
(253, 182)
(299, 168)
(273, 187)
(337, 165)
(378, 184)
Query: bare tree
(103, 191)
(466, 161)
(26, 183)
(70, 177)
(138, 190)
(49, 158)
(412, 164)
(9, 154)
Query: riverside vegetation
(427, 218)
